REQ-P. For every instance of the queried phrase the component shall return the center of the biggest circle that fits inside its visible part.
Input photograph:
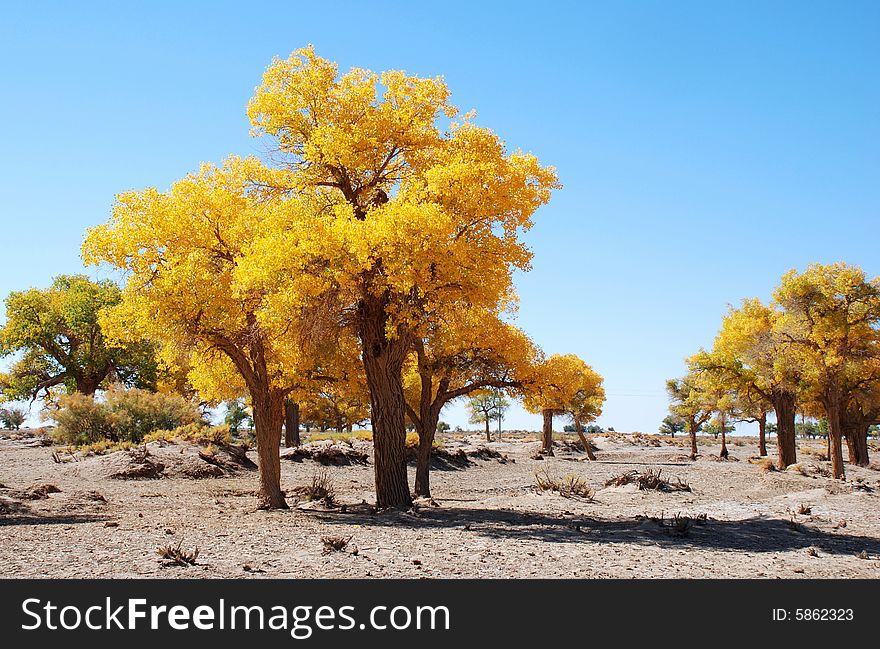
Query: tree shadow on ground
(757, 534)
(37, 519)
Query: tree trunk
(423, 460)
(488, 432)
(723, 452)
(87, 385)
(291, 424)
(786, 442)
(835, 436)
(762, 435)
(547, 436)
(584, 440)
(383, 364)
(268, 410)
(692, 432)
(855, 431)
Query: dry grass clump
(194, 432)
(804, 509)
(321, 489)
(817, 453)
(341, 436)
(334, 543)
(569, 486)
(765, 464)
(175, 555)
(648, 480)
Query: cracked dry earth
(490, 520)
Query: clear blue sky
(705, 147)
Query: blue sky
(704, 147)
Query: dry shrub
(804, 509)
(123, 415)
(569, 486)
(648, 480)
(334, 543)
(193, 432)
(765, 464)
(320, 490)
(175, 555)
(819, 454)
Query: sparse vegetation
(648, 480)
(569, 486)
(334, 543)
(321, 489)
(175, 555)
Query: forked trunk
(762, 435)
(268, 410)
(786, 442)
(547, 433)
(383, 364)
(291, 424)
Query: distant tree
(564, 385)
(486, 406)
(442, 427)
(236, 415)
(671, 425)
(688, 402)
(12, 417)
(61, 343)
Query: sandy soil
(490, 519)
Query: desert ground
(488, 518)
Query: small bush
(80, 420)
(141, 412)
(102, 447)
(123, 416)
(193, 432)
(321, 489)
(174, 555)
(334, 543)
(765, 464)
(570, 486)
(648, 480)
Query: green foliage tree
(236, 415)
(12, 417)
(486, 406)
(60, 342)
(671, 425)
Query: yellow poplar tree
(410, 222)
(179, 250)
(831, 319)
(563, 384)
(689, 402)
(755, 353)
(464, 353)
